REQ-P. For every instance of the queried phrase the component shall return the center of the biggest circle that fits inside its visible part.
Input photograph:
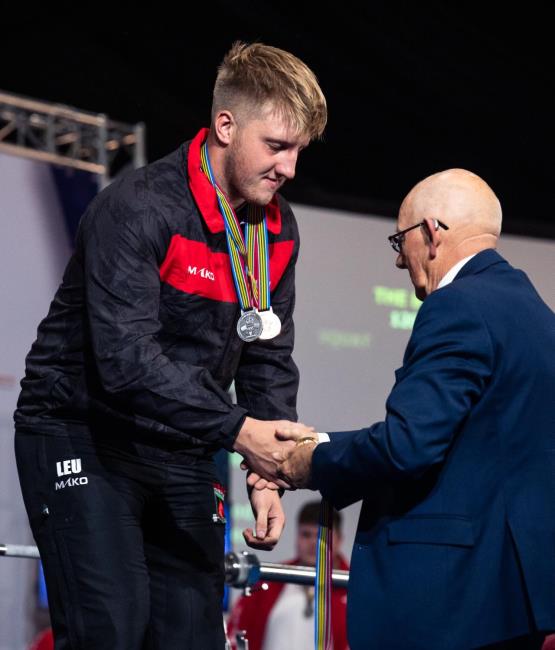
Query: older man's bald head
(470, 213)
(459, 198)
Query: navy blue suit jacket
(455, 546)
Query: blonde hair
(251, 77)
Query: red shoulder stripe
(190, 266)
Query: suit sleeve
(447, 366)
(267, 379)
(123, 241)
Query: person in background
(282, 616)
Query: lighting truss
(63, 135)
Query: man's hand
(296, 466)
(257, 443)
(270, 520)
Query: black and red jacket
(140, 340)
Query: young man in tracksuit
(182, 281)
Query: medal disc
(249, 326)
(271, 325)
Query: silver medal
(271, 325)
(249, 326)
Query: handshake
(278, 453)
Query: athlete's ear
(224, 127)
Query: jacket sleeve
(123, 240)
(267, 380)
(447, 366)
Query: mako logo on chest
(203, 272)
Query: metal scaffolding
(65, 136)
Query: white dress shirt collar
(452, 272)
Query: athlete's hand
(270, 520)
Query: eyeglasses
(398, 238)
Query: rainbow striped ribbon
(250, 260)
(257, 250)
(322, 596)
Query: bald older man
(455, 546)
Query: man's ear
(433, 234)
(224, 127)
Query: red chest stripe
(192, 267)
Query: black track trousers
(132, 548)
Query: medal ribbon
(250, 260)
(322, 595)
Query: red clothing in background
(251, 613)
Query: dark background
(412, 88)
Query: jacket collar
(479, 263)
(205, 195)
